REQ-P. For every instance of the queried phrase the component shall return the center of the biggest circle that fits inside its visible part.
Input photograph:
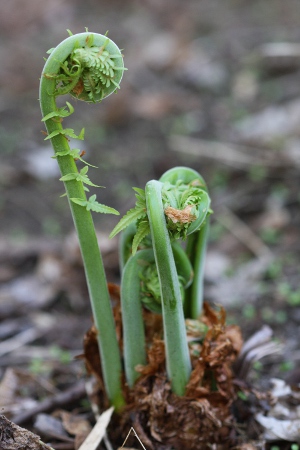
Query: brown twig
(243, 233)
(234, 155)
(73, 394)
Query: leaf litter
(164, 420)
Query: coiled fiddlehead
(69, 70)
(98, 71)
(172, 209)
(91, 71)
(196, 231)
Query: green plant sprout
(88, 66)
(158, 272)
(163, 239)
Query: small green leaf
(66, 132)
(79, 176)
(140, 192)
(92, 205)
(60, 112)
(81, 135)
(69, 177)
(131, 216)
(79, 201)
(100, 208)
(134, 214)
(89, 40)
(75, 153)
(62, 153)
(84, 170)
(142, 231)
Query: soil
(213, 85)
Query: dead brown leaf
(180, 215)
(76, 426)
(200, 417)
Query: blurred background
(211, 84)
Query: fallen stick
(73, 394)
(235, 155)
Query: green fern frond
(92, 205)
(60, 112)
(66, 132)
(98, 68)
(143, 230)
(81, 177)
(131, 216)
(139, 212)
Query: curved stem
(125, 245)
(182, 173)
(94, 270)
(132, 316)
(177, 353)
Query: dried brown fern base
(163, 420)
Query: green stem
(196, 250)
(125, 245)
(132, 302)
(93, 265)
(177, 353)
(132, 316)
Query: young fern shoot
(195, 230)
(157, 271)
(175, 208)
(177, 353)
(89, 67)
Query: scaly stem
(177, 353)
(93, 265)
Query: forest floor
(213, 85)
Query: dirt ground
(214, 85)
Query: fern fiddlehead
(177, 353)
(88, 66)
(98, 70)
(172, 209)
(195, 231)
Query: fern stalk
(60, 77)
(177, 353)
